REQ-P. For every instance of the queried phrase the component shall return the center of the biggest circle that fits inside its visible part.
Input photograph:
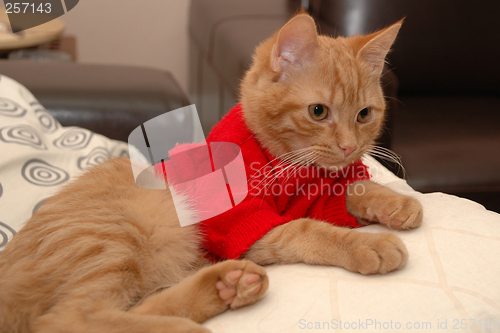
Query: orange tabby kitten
(292, 72)
(97, 256)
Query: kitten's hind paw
(241, 283)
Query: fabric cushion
(38, 155)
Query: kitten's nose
(347, 150)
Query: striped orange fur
(97, 256)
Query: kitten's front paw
(399, 212)
(377, 253)
(241, 283)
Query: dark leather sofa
(445, 120)
(109, 100)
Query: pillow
(451, 282)
(38, 155)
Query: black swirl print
(23, 135)
(49, 124)
(121, 153)
(74, 139)
(97, 156)
(41, 173)
(10, 108)
(6, 232)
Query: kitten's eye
(318, 111)
(365, 115)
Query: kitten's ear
(296, 43)
(377, 46)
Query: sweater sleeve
(335, 212)
(332, 208)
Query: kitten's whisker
(395, 99)
(292, 165)
(269, 175)
(283, 157)
(400, 167)
(388, 152)
(382, 154)
(382, 149)
(292, 158)
(310, 162)
(387, 155)
(290, 161)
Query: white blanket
(450, 284)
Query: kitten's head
(317, 94)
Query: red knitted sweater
(312, 192)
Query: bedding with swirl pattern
(38, 155)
